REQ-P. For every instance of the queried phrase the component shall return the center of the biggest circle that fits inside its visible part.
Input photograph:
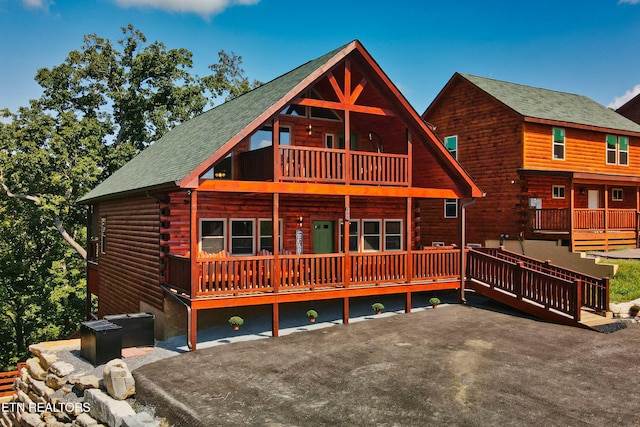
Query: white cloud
(201, 7)
(629, 1)
(36, 4)
(628, 95)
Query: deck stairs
(539, 288)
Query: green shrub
(377, 306)
(312, 313)
(236, 320)
(434, 301)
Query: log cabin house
(555, 166)
(306, 188)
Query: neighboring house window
(242, 237)
(354, 235)
(265, 235)
(212, 235)
(558, 191)
(558, 143)
(616, 194)
(371, 235)
(451, 143)
(392, 235)
(450, 208)
(617, 150)
(103, 235)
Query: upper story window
(558, 143)
(617, 150)
(242, 237)
(558, 191)
(263, 137)
(212, 236)
(451, 143)
(103, 235)
(392, 235)
(450, 208)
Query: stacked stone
(51, 394)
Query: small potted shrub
(434, 302)
(634, 310)
(377, 307)
(312, 315)
(236, 322)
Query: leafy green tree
(101, 106)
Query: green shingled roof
(552, 105)
(188, 145)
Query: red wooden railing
(550, 291)
(583, 219)
(594, 292)
(7, 379)
(254, 274)
(327, 165)
(379, 169)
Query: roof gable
(545, 104)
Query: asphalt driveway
(473, 365)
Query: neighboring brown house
(631, 109)
(555, 166)
(306, 188)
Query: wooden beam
(357, 91)
(227, 186)
(309, 102)
(345, 310)
(407, 302)
(336, 87)
(275, 320)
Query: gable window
(392, 235)
(558, 191)
(450, 208)
(371, 235)
(558, 143)
(617, 150)
(242, 237)
(265, 235)
(616, 194)
(451, 143)
(263, 137)
(354, 235)
(212, 235)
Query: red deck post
(345, 310)
(275, 320)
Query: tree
(101, 106)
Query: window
(392, 235)
(221, 170)
(265, 235)
(212, 235)
(451, 208)
(354, 235)
(263, 137)
(103, 235)
(558, 143)
(558, 191)
(451, 143)
(242, 237)
(329, 140)
(617, 150)
(371, 235)
(616, 194)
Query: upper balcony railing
(328, 165)
(583, 219)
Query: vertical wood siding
(129, 270)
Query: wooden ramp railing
(536, 287)
(7, 379)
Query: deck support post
(193, 267)
(275, 267)
(345, 310)
(463, 243)
(407, 303)
(192, 329)
(275, 320)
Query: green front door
(323, 237)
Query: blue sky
(589, 47)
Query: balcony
(326, 165)
(595, 220)
(234, 276)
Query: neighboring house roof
(188, 150)
(187, 146)
(552, 105)
(631, 109)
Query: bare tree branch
(56, 219)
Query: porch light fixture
(309, 130)
(347, 214)
(299, 222)
(582, 191)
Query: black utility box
(100, 341)
(137, 328)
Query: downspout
(463, 244)
(188, 307)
